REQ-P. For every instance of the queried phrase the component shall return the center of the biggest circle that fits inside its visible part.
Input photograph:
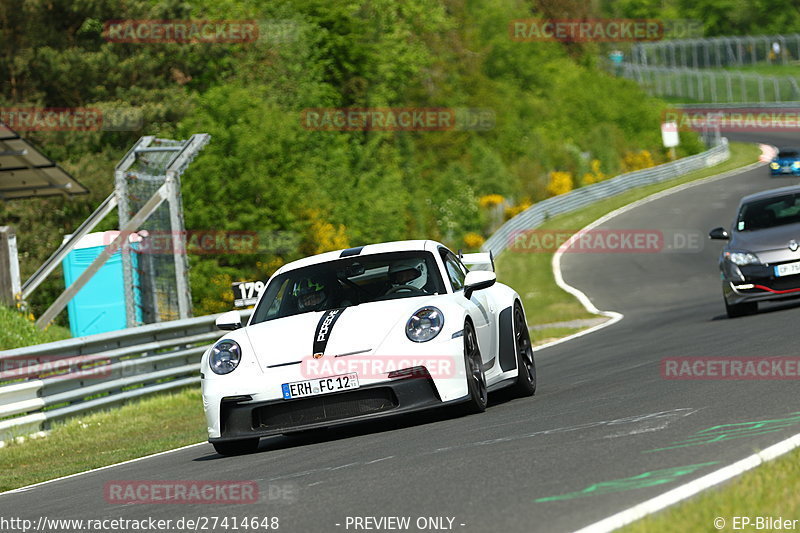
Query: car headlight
(742, 258)
(774, 166)
(225, 357)
(424, 324)
(796, 164)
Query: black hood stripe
(324, 328)
(351, 251)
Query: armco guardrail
(564, 203)
(47, 382)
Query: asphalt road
(605, 430)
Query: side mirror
(229, 321)
(477, 280)
(720, 234)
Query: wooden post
(10, 285)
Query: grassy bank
(771, 490)
(17, 331)
(148, 426)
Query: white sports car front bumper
(252, 404)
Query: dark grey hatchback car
(761, 260)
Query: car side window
(280, 298)
(455, 270)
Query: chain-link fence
(155, 267)
(718, 52)
(717, 86)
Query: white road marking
(555, 264)
(649, 421)
(693, 487)
(698, 485)
(327, 469)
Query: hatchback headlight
(742, 258)
(424, 324)
(796, 164)
(774, 166)
(225, 357)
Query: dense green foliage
(718, 17)
(17, 331)
(264, 171)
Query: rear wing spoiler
(478, 261)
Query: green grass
(530, 274)
(17, 331)
(792, 69)
(772, 489)
(169, 421)
(152, 425)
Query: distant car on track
(787, 161)
(365, 333)
(761, 260)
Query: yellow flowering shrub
(515, 210)
(595, 175)
(473, 240)
(559, 183)
(490, 200)
(222, 299)
(322, 236)
(637, 160)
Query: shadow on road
(366, 427)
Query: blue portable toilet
(100, 305)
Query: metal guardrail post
(10, 286)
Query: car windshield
(788, 154)
(769, 212)
(350, 281)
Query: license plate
(314, 387)
(788, 269)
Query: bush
(560, 183)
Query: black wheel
(476, 381)
(737, 310)
(526, 367)
(236, 447)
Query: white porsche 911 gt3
(364, 333)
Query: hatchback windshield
(350, 281)
(789, 154)
(770, 212)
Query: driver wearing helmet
(311, 296)
(410, 274)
